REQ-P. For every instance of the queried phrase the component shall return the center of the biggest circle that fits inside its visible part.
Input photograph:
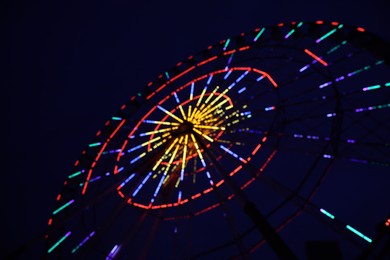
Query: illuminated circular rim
(183, 110)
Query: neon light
(160, 122)
(325, 84)
(116, 118)
(232, 153)
(360, 29)
(144, 144)
(97, 178)
(137, 158)
(229, 52)
(210, 127)
(336, 47)
(235, 170)
(170, 114)
(326, 35)
(331, 115)
(326, 213)
(142, 184)
(126, 181)
(201, 97)
(358, 110)
(260, 78)
(202, 134)
(83, 242)
(340, 78)
(184, 158)
(75, 174)
(209, 79)
(206, 61)
(316, 57)
(379, 62)
(242, 76)
(304, 68)
(189, 111)
(198, 150)
(256, 149)
(227, 74)
(226, 44)
(159, 186)
(232, 85)
(289, 34)
(95, 144)
(387, 84)
(179, 196)
(180, 107)
(59, 242)
(166, 74)
(271, 80)
(192, 91)
(241, 90)
(217, 106)
(244, 48)
(269, 108)
(209, 176)
(113, 252)
(158, 131)
(176, 97)
(63, 206)
(166, 153)
(212, 94)
(369, 240)
(196, 196)
(259, 34)
(229, 61)
(371, 87)
(172, 157)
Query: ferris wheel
(265, 134)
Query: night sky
(66, 67)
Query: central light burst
(180, 137)
(186, 145)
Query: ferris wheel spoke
(159, 131)
(158, 138)
(170, 114)
(156, 122)
(198, 150)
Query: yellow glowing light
(197, 147)
(166, 153)
(171, 159)
(160, 122)
(160, 131)
(209, 127)
(170, 114)
(211, 95)
(205, 136)
(201, 97)
(189, 111)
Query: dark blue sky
(68, 66)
